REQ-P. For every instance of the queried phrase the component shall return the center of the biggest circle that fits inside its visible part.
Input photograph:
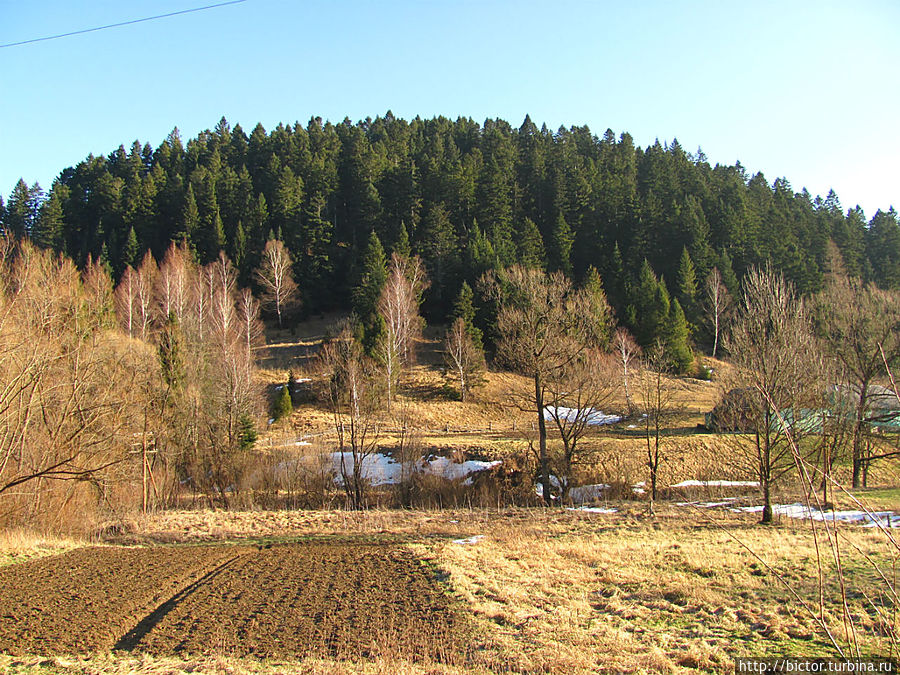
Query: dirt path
(344, 600)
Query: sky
(806, 90)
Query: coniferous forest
(464, 197)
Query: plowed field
(344, 600)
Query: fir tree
(464, 308)
(676, 339)
(648, 308)
(372, 277)
(530, 245)
(130, 254)
(561, 248)
(686, 287)
(283, 406)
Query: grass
(20, 545)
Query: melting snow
(593, 417)
(716, 483)
(873, 519)
(593, 509)
(380, 469)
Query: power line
(123, 23)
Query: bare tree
(777, 364)
(127, 301)
(173, 287)
(858, 322)
(719, 302)
(63, 390)
(657, 406)
(145, 280)
(352, 396)
(544, 323)
(463, 358)
(251, 326)
(275, 277)
(576, 397)
(398, 306)
(626, 351)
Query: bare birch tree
(398, 306)
(275, 277)
(173, 286)
(719, 302)
(626, 350)
(145, 279)
(463, 358)
(127, 301)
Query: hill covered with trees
(464, 197)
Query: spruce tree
(676, 339)
(530, 245)
(372, 277)
(401, 244)
(648, 308)
(130, 254)
(464, 308)
(686, 287)
(283, 406)
(561, 246)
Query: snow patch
(591, 416)
(801, 511)
(379, 469)
(716, 483)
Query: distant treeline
(465, 197)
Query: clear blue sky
(805, 90)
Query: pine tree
(686, 288)
(401, 244)
(480, 256)
(49, 230)
(602, 315)
(130, 254)
(530, 245)
(648, 308)
(464, 308)
(561, 246)
(372, 277)
(239, 246)
(190, 219)
(729, 278)
(676, 340)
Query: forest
(465, 197)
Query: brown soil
(344, 600)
